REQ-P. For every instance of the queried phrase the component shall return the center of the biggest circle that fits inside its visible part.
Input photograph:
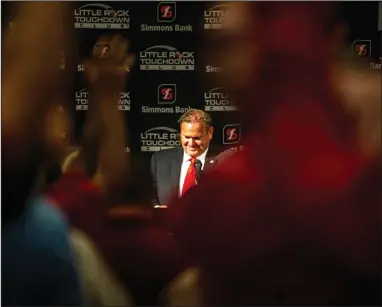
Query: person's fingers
(110, 62)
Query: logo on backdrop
(166, 95)
(163, 57)
(101, 16)
(214, 17)
(82, 96)
(217, 100)
(159, 138)
(166, 15)
(166, 11)
(231, 134)
(362, 48)
(103, 50)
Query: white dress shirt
(185, 164)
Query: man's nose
(192, 142)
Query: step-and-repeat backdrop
(168, 76)
(171, 71)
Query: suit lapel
(210, 161)
(209, 164)
(176, 165)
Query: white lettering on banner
(124, 102)
(163, 57)
(166, 28)
(214, 17)
(81, 68)
(82, 100)
(101, 16)
(159, 138)
(212, 69)
(165, 110)
(376, 66)
(217, 100)
(82, 96)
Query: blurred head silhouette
(250, 34)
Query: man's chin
(193, 153)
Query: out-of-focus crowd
(293, 219)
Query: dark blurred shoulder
(167, 153)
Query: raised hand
(106, 74)
(109, 65)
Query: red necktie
(190, 179)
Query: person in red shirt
(294, 218)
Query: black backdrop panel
(172, 66)
(166, 79)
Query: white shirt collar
(202, 157)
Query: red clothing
(139, 252)
(81, 202)
(190, 179)
(282, 199)
(299, 209)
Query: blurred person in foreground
(99, 170)
(37, 262)
(293, 219)
(97, 195)
(58, 137)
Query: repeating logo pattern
(166, 74)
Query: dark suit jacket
(165, 170)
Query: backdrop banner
(169, 76)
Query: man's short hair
(196, 116)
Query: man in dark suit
(177, 169)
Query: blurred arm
(113, 162)
(106, 81)
(101, 287)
